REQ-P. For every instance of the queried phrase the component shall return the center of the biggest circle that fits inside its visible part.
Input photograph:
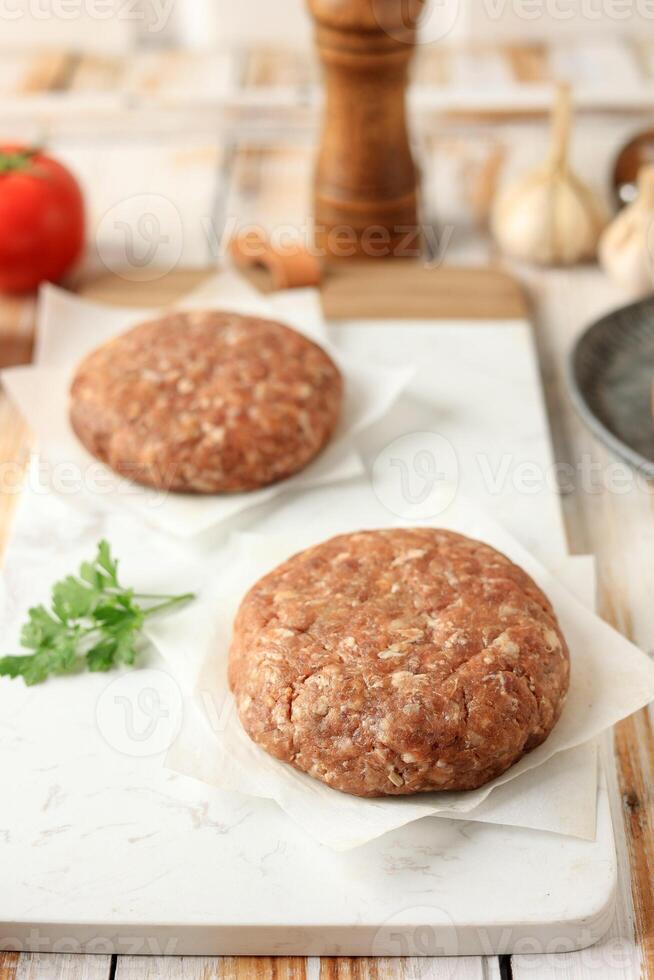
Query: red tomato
(41, 219)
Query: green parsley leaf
(105, 561)
(94, 623)
(72, 599)
(40, 629)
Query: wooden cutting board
(382, 288)
(352, 290)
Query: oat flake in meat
(398, 661)
(206, 402)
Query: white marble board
(102, 849)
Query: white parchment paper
(69, 327)
(610, 679)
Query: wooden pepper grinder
(365, 183)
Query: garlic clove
(626, 248)
(550, 217)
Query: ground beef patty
(206, 402)
(398, 661)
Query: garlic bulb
(626, 248)
(549, 216)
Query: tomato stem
(15, 160)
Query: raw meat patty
(206, 402)
(398, 661)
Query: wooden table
(244, 163)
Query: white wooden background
(108, 26)
(225, 137)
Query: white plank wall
(505, 78)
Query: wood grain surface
(54, 966)
(383, 289)
(16, 330)
(14, 455)
(365, 176)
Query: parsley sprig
(94, 623)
